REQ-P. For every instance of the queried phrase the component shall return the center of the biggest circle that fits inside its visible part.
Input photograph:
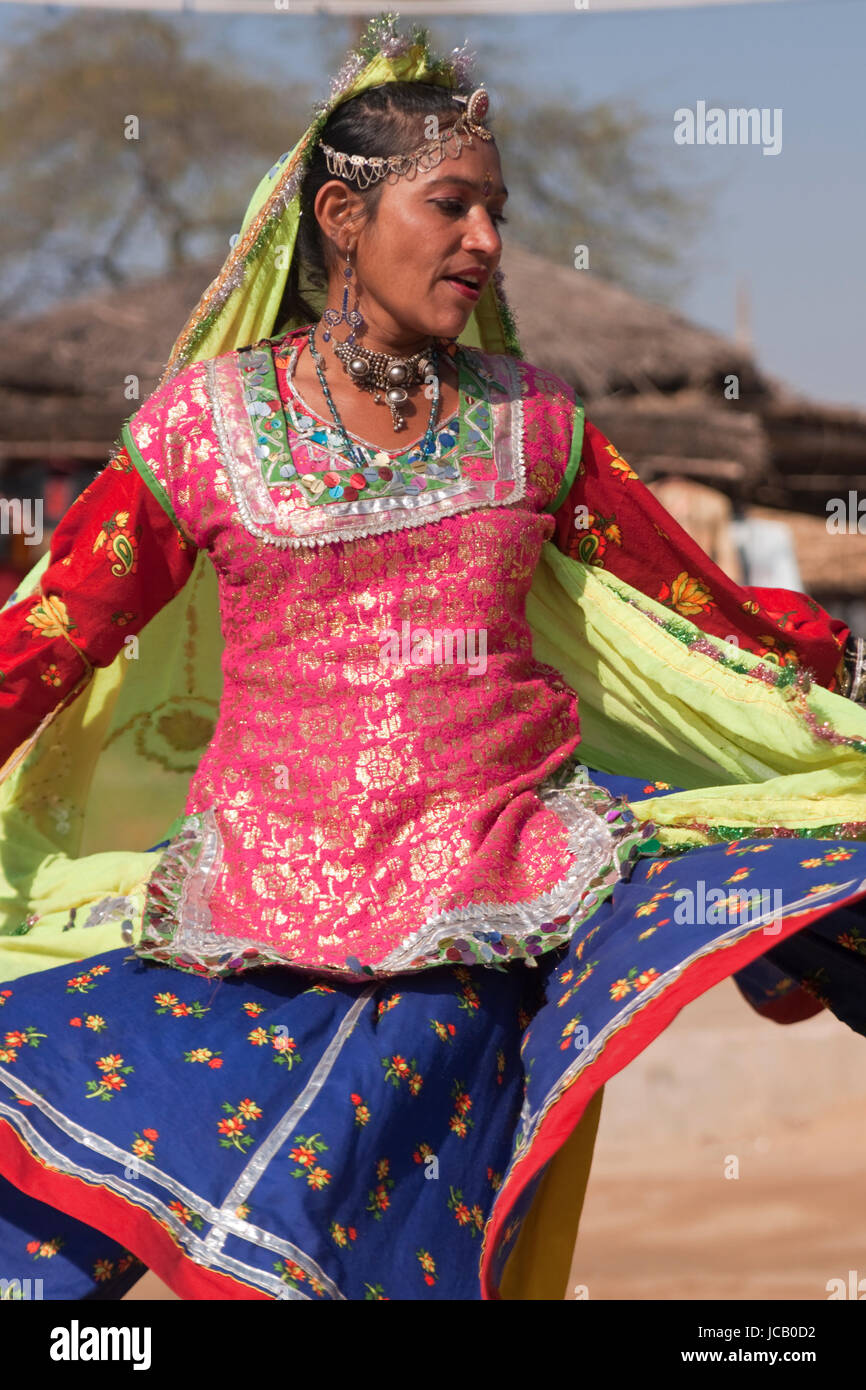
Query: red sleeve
(115, 559)
(610, 518)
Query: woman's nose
(483, 235)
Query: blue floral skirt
(270, 1136)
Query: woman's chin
(441, 322)
(449, 324)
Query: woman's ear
(339, 211)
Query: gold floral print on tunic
(356, 809)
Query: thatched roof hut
(817, 452)
(652, 380)
(611, 344)
(64, 375)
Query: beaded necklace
(428, 443)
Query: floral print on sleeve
(116, 559)
(611, 519)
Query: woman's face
(429, 226)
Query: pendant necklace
(372, 370)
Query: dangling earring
(353, 317)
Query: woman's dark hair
(386, 120)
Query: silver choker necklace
(385, 371)
(429, 441)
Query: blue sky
(789, 227)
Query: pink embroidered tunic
(391, 782)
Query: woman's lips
(465, 290)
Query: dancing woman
(342, 1031)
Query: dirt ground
(787, 1104)
(724, 1090)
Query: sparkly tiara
(367, 170)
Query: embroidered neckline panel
(288, 475)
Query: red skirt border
(635, 1034)
(130, 1225)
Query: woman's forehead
(478, 182)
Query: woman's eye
(453, 206)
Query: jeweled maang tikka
(366, 170)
